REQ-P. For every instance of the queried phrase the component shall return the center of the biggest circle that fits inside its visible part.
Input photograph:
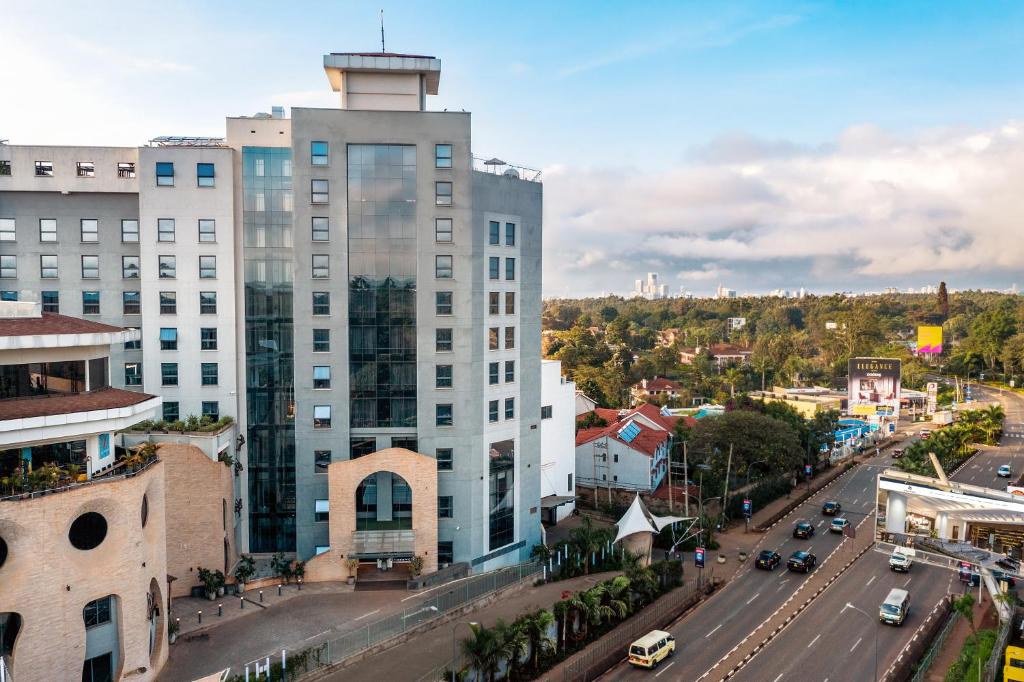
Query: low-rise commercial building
(807, 401)
(722, 354)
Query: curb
(891, 671)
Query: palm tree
(587, 540)
(643, 584)
(561, 612)
(482, 650)
(617, 596)
(511, 645)
(733, 376)
(537, 625)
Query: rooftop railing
(120, 471)
(496, 166)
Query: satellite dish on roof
(511, 173)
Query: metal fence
(326, 651)
(994, 667)
(925, 663)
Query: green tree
(482, 650)
(990, 330)
(512, 644)
(753, 436)
(537, 625)
(943, 301)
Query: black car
(803, 530)
(768, 560)
(831, 508)
(801, 561)
(999, 576)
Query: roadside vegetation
(952, 444)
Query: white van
(895, 607)
(901, 559)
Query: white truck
(901, 559)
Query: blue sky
(669, 132)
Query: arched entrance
(383, 502)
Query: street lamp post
(872, 621)
(454, 628)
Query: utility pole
(725, 494)
(686, 482)
(595, 470)
(671, 507)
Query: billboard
(929, 340)
(874, 386)
(933, 397)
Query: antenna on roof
(382, 50)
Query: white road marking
(870, 581)
(814, 640)
(908, 581)
(857, 501)
(753, 598)
(779, 677)
(855, 644)
(665, 668)
(865, 489)
(714, 631)
(821, 522)
(366, 615)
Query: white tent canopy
(638, 519)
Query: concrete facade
(557, 437)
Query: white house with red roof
(658, 387)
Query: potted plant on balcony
(209, 580)
(352, 565)
(245, 569)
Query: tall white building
(557, 443)
(650, 288)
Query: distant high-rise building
(725, 292)
(651, 289)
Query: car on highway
(897, 453)
(838, 525)
(895, 607)
(831, 508)
(768, 559)
(901, 560)
(801, 561)
(803, 530)
(1004, 471)
(651, 649)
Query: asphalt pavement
(982, 468)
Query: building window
(85, 169)
(443, 340)
(443, 193)
(207, 267)
(501, 485)
(321, 229)
(568, 486)
(168, 303)
(51, 301)
(510, 268)
(5, 167)
(444, 459)
(207, 338)
(131, 303)
(205, 174)
(443, 267)
(8, 295)
(494, 267)
(321, 460)
(443, 415)
(493, 373)
(97, 612)
(164, 174)
(445, 552)
(443, 301)
(44, 169)
(494, 233)
(320, 191)
(132, 374)
(321, 416)
(167, 267)
(321, 266)
(8, 267)
(443, 230)
(321, 511)
(360, 447)
(318, 153)
(7, 232)
(510, 338)
(321, 376)
(90, 229)
(510, 234)
(129, 267)
(129, 231)
(405, 442)
(135, 344)
(209, 373)
(125, 170)
(48, 266)
(321, 303)
(492, 411)
(168, 338)
(47, 229)
(510, 371)
(207, 230)
(493, 302)
(444, 507)
(90, 267)
(510, 408)
(321, 340)
(545, 412)
(165, 229)
(442, 156)
(443, 376)
(510, 303)
(169, 375)
(211, 409)
(90, 303)
(171, 411)
(207, 302)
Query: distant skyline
(760, 145)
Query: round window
(88, 531)
(145, 510)
(3, 551)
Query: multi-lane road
(826, 642)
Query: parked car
(768, 559)
(1002, 576)
(897, 453)
(838, 525)
(1004, 471)
(801, 561)
(925, 433)
(1009, 563)
(803, 530)
(651, 649)
(831, 508)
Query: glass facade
(382, 285)
(383, 502)
(267, 235)
(502, 493)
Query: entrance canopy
(930, 497)
(638, 519)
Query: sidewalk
(433, 648)
(984, 617)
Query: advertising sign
(929, 340)
(933, 396)
(748, 508)
(808, 470)
(698, 557)
(874, 386)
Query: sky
(832, 146)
